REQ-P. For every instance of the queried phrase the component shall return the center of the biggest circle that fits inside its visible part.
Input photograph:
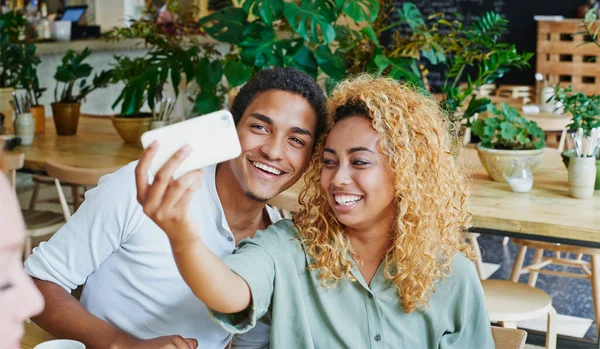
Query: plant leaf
(332, 64)
(226, 25)
(309, 23)
(267, 10)
(207, 102)
(508, 131)
(237, 73)
(359, 10)
(370, 33)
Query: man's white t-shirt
(126, 263)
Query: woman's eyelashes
(358, 163)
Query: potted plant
(10, 25)
(72, 75)
(507, 136)
(28, 80)
(171, 54)
(471, 53)
(585, 114)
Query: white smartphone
(213, 138)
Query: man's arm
(76, 251)
(166, 202)
(64, 317)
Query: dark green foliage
(507, 129)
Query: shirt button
(234, 251)
(377, 338)
(370, 295)
(230, 238)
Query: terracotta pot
(131, 128)
(496, 161)
(39, 118)
(6, 109)
(66, 118)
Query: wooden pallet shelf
(562, 58)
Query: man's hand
(166, 342)
(166, 201)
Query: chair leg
(28, 244)
(478, 261)
(34, 196)
(75, 196)
(595, 279)
(508, 324)
(505, 241)
(579, 256)
(516, 272)
(551, 333)
(537, 258)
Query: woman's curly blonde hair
(431, 210)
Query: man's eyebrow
(354, 150)
(301, 131)
(262, 118)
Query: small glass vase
(518, 175)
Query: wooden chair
(46, 223)
(525, 93)
(12, 163)
(508, 302)
(591, 270)
(508, 338)
(77, 189)
(472, 239)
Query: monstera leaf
(260, 46)
(267, 10)
(359, 10)
(237, 73)
(226, 25)
(405, 69)
(209, 74)
(307, 22)
(305, 60)
(332, 64)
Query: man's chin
(256, 197)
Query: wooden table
(545, 213)
(96, 145)
(34, 335)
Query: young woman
(375, 259)
(19, 298)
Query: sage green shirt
(303, 314)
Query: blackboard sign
(522, 29)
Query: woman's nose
(341, 177)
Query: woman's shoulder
(462, 273)
(276, 234)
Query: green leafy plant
(173, 50)
(588, 28)
(27, 74)
(324, 38)
(72, 75)
(11, 23)
(508, 129)
(461, 48)
(585, 110)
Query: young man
(134, 296)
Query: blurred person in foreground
(19, 298)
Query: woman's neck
(370, 246)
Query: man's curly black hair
(283, 79)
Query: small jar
(25, 128)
